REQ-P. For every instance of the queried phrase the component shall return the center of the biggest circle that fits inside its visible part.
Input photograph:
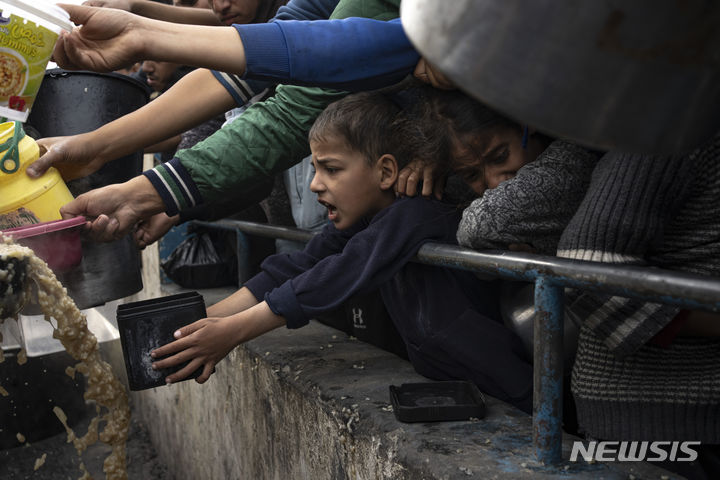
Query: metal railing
(551, 275)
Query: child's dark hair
(371, 123)
(455, 117)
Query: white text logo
(634, 451)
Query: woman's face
(485, 161)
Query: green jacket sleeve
(268, 138)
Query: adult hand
(427, 73)
(152, 229)
(118, 4)
(114, 210)
(74, 156)
(108, 39)
(417, 170)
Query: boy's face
(235, 11)
(159, 74)
(346, 184)
(500, 160)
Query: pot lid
(635, 76)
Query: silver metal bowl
(640, 76)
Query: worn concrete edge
(349, 380)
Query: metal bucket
(70, 103)
(636, 76)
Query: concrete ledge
(313, 403)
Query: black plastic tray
(149, 324)
(437, 401)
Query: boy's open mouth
(332, 210)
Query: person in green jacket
(270, 137)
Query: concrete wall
(314, 404)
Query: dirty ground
(62, 461)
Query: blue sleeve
(242, 90)
(369, 258)
(349, 54)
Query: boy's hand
(118, 4)
(152, 229)
(205, 342)
(425, 72)
(202, 344)
(74, 156)
(107, 40)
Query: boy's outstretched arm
(232, 304)
(205, 342)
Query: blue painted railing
(551, 276)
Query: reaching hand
(114, 210)
(427, 73)
(417, 170)
(74, 156)
(202, 344)
(108, 39)
(152, 229)
(119, 4)
(207, 341)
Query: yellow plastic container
(24, 200)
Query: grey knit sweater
(658, 211)
(535, 206)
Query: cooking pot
(70, 103)
(639, 76)
(517, 307)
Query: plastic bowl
(57, 242)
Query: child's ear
(388, 170)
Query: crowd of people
(378, 151)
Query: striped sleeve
(175, 186)
(241, 90)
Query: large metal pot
(639, 76)
(70, 103)
(517, 306)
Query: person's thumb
(79, 14)
(75, 208)
(41, 165)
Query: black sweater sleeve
(338, 265)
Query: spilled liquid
(111, 423)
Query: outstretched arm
(160, 11)
(205, 342)
(109, 39)
(235, 303)
(195, 98)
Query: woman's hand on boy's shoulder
(416, 171)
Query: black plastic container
(149, 324)
(437, 401)
(70, 103)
